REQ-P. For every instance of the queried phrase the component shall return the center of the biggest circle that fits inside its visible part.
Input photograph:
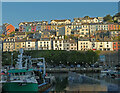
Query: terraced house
(60, 22)
(84, 45)
(9, 44)
(58, 43)
(44, 44)
(69, 44)
(31, 44)
(20, 44)
(32, 26)
(88, 19)
(113, 26)
(104, 46)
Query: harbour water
(85, 83)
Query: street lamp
(67, 63)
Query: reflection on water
(83, 83)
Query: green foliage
(117, 15)
(108, 18)
(87, 17)
(55, 57)
(6, 58)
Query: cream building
(60, 22)
(31, 44)
(86, 20)
(84, 45)
(58, 43)
(44, 44)
(84, 30)
(20, 44)
(104, 46)
(9, 44)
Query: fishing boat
(25, 77)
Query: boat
(25, 77)
(115, 75)
(107, 72)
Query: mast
(20, 59)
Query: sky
(16, 12)
(60, 0)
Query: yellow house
(20, 44)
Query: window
(60, 44)
(28, 42)
(107, 45)
(28, 45)
(100, 49)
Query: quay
(80, 70)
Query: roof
(72, 41)
(61, 20)
(20, 33)
(19, 70)
(32, 40)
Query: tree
(87, 17)
(117, 15)
(16, 29)
(108, 18)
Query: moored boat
(23, 78)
